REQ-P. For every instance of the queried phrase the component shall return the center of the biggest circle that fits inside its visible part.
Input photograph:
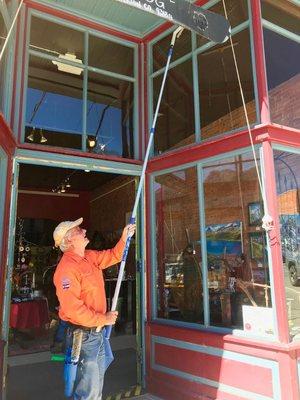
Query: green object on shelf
(58, 357)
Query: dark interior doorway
(47, 196)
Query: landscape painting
(223, 241)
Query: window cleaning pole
(176, 34)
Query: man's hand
(129, 230)
(111, 317)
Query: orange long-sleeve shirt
(80, 285)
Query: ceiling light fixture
(30, 137)
(70, 69)
(43, 139)
(64, 185)
(91, 142)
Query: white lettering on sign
(160, 6)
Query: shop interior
(46, 197)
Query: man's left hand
(128, 231)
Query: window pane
(179, 276)
(175, 124)
(55, 39)
(161, 48)
(287, 169)
(221, 108)
(283, 78)
(238, 273)
(282, 13)
(110, 115)
(54, 105)
(111, 56)
(237, 12)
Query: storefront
(216, 295)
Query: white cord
(267, 219)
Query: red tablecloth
(28, 315)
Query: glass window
(56, 92)
(287, 169)
(176, 123)
(237, 12)
(3, 33)
(179, 276)
(110, 115)
(161, 48)
(221, 108)
(283, 75)
(238, 272)
(55, 39)
(54, 104)
(282, 13)
(111, 56)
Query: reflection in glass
(287, 169)
(179, 276)
(55, 39)
(161, 49)
(221, 107)
(238, 272)
(175, 124)
(54, 105)
(283, 78)
(110, 115)
(282, 13)
(110, 56)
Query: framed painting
(255, 213)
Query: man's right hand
(111, 317)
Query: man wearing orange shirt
(81, 293)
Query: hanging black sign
(204, 22)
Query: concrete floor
(35, 377)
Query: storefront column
(275, 244)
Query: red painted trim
(284, 135)
(252, 378)
(148, 242)
(19, 130)
(213, 147)
(157, 31)
(247, 346)
(222, 144)
(80, 20)
(146, 97)
(15, 74)
(148, 273)
(262, 86)
(5, 233)
(275, 243)
(7, 139)
(72, 152)
(288, 373)
(8, 144)
(141, 104)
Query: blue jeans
(91, 368)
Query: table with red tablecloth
(29, 314)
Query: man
(81, 293)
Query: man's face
(78, 237)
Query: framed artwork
(255, 213)
(257, 245)
(223, 240)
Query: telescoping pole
(176, 34)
